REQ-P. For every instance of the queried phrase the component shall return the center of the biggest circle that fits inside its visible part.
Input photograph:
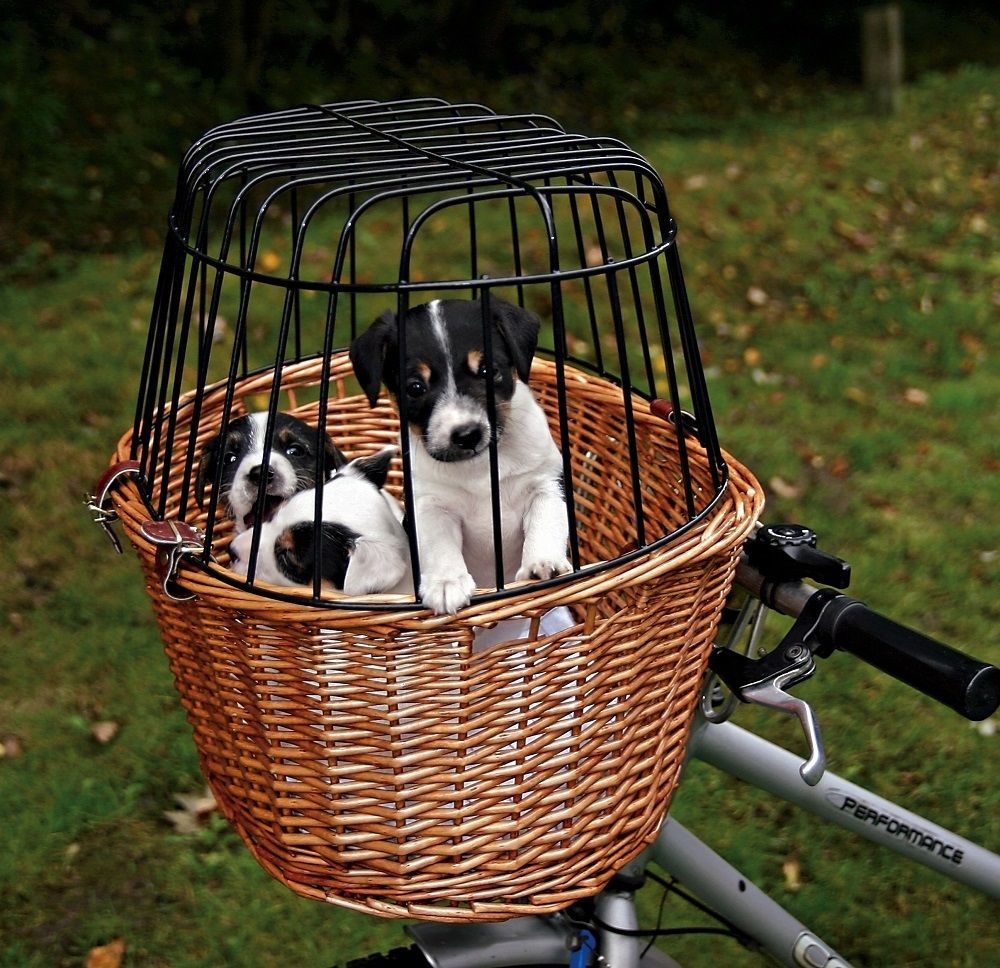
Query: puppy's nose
(255, 473)
(467, 436)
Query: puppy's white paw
(546, 568)
(446, 594)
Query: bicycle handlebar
(958, 681)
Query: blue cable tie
(581, 956)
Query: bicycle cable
(728, 929)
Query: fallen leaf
(764, 378)
(195, 810)
(839, 466)
(783, 488)
(270, 260)
(856, 237)
(104, 731)
(11, 747)
(106, 956)
(752, 356)
(757, 297)
(919, 398)
(979, 224)
(792, 871)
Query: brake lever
(764, 681)
(772, 695)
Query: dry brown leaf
(104, 731)
(11, 747)
(840, 466)
(270, 260)
(195, 810)
(792, 871)
(106, 956)
(783, 488)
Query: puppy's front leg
(445, 582)
(546, 533)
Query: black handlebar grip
(960, 682)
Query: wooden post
(882, 56)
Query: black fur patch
(293, 438)
(295, 556)
(375, 354)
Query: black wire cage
(289, 234)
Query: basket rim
(199, 574)
(485, 609)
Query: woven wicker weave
(381, 761)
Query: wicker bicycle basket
(503, 761)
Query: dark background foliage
(98, 100)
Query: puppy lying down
(364, 547)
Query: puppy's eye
(230, 457)
(483, 372)
(415, 388)
(296, 450)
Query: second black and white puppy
(445, 388)
(364, 549)
(291, 467)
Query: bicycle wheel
(413, 957)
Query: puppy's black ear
(375, 467)
(296, 555)
(519, 329)
(206, 470)
(334, 457)
(369, 354)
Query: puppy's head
(363, 550)
(291, 466)
(446, 370)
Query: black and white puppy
(445, 387)
(364, 547)
(291, 465)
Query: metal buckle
(97, 503)
(174, 539)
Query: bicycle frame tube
(723, 888)
(775, 770)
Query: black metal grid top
(366, 153)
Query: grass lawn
(845, 275)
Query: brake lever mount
(764, 681)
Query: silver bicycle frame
(742, 754)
